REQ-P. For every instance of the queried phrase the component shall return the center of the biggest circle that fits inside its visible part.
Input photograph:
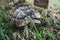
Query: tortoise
(23, 15)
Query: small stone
(37, 21)
(59, 33)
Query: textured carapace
(24, 14)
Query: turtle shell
(23, 14)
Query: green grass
(39, 36)
(6, 28)
(55, 4)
